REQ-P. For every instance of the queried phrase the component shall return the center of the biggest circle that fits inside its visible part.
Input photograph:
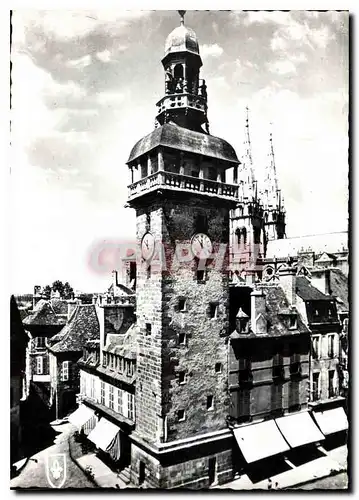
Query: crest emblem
(56, 469)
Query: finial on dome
(182, 13)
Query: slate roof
(44, 314)
(60, 306)
(276, 302)
(307, 291)
(173, 136)
(82, 326)
(339, 288)
(329, 243)
(277, 306)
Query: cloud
(104, 56)
(80, 63)
(282, 67)
(213, 50)
(260, 17)
(278, 42)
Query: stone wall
(187, 341)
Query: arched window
(178, 71)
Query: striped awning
(81, 416)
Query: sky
(84, 88)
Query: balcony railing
(182, 182)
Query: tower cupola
(185, 100)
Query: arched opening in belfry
(178, 71)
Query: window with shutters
(65, 371)
(131, 406)
(316, 347)
(39, 365)
(315, 386)
(102, 392)
(277, 368)
(331, 389)
(331, 346)
(92, 387)
(276, 399)
(293, 396)
(111, 397)
(120, 401)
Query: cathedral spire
(271, 180)
(247, 171)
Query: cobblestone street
(34, 473)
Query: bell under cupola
(185, 99)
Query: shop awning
(299, 429)
(80, 416)
(331, 421)
(257, 441)
(104, 434)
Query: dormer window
(293, 322)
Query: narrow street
(338, 482)
(34, 473)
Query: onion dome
(182, 39)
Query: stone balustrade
(181, 182)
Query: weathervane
(182, 13)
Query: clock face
(201, 246)
(148, 246)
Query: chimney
(287, 280)
(258, 312)
(114, 280)
(321, 280)
(36, 296)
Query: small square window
(213, 310)
(182, 305)
(181, 415)
(182, 338)
(218, 367)
(210, 403)
(182, 377)
(148, 328)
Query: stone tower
(247, 221)
(182, 201)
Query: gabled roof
(83, 325)
(120, 290)
(307, 291)
(172, 136)
(45, 315)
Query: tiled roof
(124, 344)
(339, 288)
(60, 306)
(44, 314)
(83, 325)
(307, 291)
(173, 136)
